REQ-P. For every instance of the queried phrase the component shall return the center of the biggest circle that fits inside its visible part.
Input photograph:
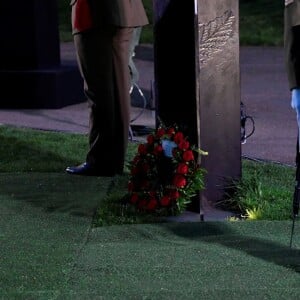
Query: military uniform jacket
(95, 13)
(292, 41)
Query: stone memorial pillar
(197, 84)
(31, 72)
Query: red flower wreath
(164, 174)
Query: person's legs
(103, 62)
(94, 53)
(297, 161)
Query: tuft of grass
(254, 214)
(264, 192)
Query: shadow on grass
(32, 150)
(53, 192)
(264, 248)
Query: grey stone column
(218, 94)
(197, 80)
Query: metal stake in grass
(296, 201)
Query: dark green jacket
(292, 41)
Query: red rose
(152, 204)
(178, 137)
(134, 171)
(174, 194)
(152, 194)
(160, 132)
(134, 198)
(182, 168)
(142, 204)
(142, 149)
(150, 139)
(130, 186)
(145, 167)
(188, 155)
(171, 131)
(165, 201)
(184, 145)
(144, 184)
(179, 181)
(158, 150)
(136, 159)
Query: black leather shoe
(87, 169)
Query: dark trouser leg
(296, 198)
(100, 52)
(297, 161)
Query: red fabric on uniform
(82, 18)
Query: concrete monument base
(43, 88)
(31, 73)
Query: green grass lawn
(264, 192)
(49, 250)
(261, 22)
